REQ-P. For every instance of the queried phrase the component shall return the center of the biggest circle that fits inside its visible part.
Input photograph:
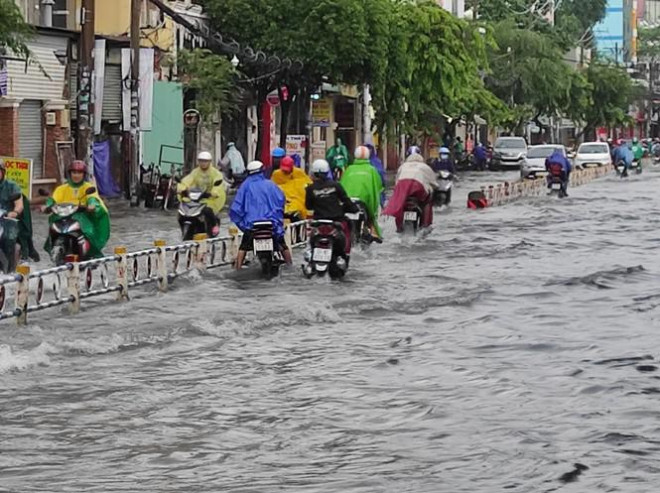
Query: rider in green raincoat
(94, 221)
(362, 181)
(337, 155)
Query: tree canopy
(14, 32)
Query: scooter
(556, 181)
(412, 216)
(322, 257)
(636, 166)
(191, 212)
(338, 167)
(621, 169)
(66, 233)
(263, 245)
(360, 233)
(442, 196)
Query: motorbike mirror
(43, 193)
(90, 191)
(177, 179)
(217, 183)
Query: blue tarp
(105, 183)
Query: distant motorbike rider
(328, 200)
(337, 155)
(204, 177)
(94, 220)
(293, 182)
(444, 162)
(557, 158)
(362, 181)
(276, 158)
(415, 179)
(258, 199)
(14, 207)
(655, 148)
(638, 151)
(623, 156)
(378, 164)
(480, 156)
(234, 163)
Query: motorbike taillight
(326, 230)
(556, 170)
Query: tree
(14, 32)
(612, 94)
(212, 78)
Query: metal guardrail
(69, 284)
(503, 193)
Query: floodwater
(512, 349)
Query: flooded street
(494, 354)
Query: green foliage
(14, 32)
(212, 77)
(612, 94)
(648, 44)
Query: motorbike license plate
(263, 245)
(322, 255)
(353, 216)
(556, 186)
(410, 216)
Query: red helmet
(78, 166)
(287, 164)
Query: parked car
(508, 152)
(534, 162)
(591, 154)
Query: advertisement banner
(20, 171)
(295, 144)
(321, 112)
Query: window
(60, 14)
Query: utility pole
(136, 7)
(85, 69)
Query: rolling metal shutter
(112, 111)
(30, 135)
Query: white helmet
(204, 156)
(320, 167)
(254, 167)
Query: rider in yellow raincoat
(204, 178)
(94, 218)
(293, 182)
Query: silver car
(534, 163)
(509, 152)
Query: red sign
(273, 99)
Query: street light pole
(85, 69)
(135, 102)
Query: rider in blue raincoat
(258, 199)
(623, 154)
(558, 158)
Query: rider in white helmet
(208, 179)
(258, 199)
(329, 200)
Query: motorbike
(233, 180)
(358, 222)
(636, 166)
(338, 166)
(8, 235)
(263, 245)
(412, 216)
(556, 181)
(442, 196)
(621, 169)
(191, 212)
(322, 258)
(66, 233)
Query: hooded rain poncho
(258, 199)
(294, 186)
(204, 180)
(95, 225)
(362, 181)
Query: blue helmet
(278, 152)
(413, 150)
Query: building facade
(609, 33)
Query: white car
(508, 152)
(534, 163)
(592, 154)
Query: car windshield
(540, 152)
(594, 149)
(510, 144)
